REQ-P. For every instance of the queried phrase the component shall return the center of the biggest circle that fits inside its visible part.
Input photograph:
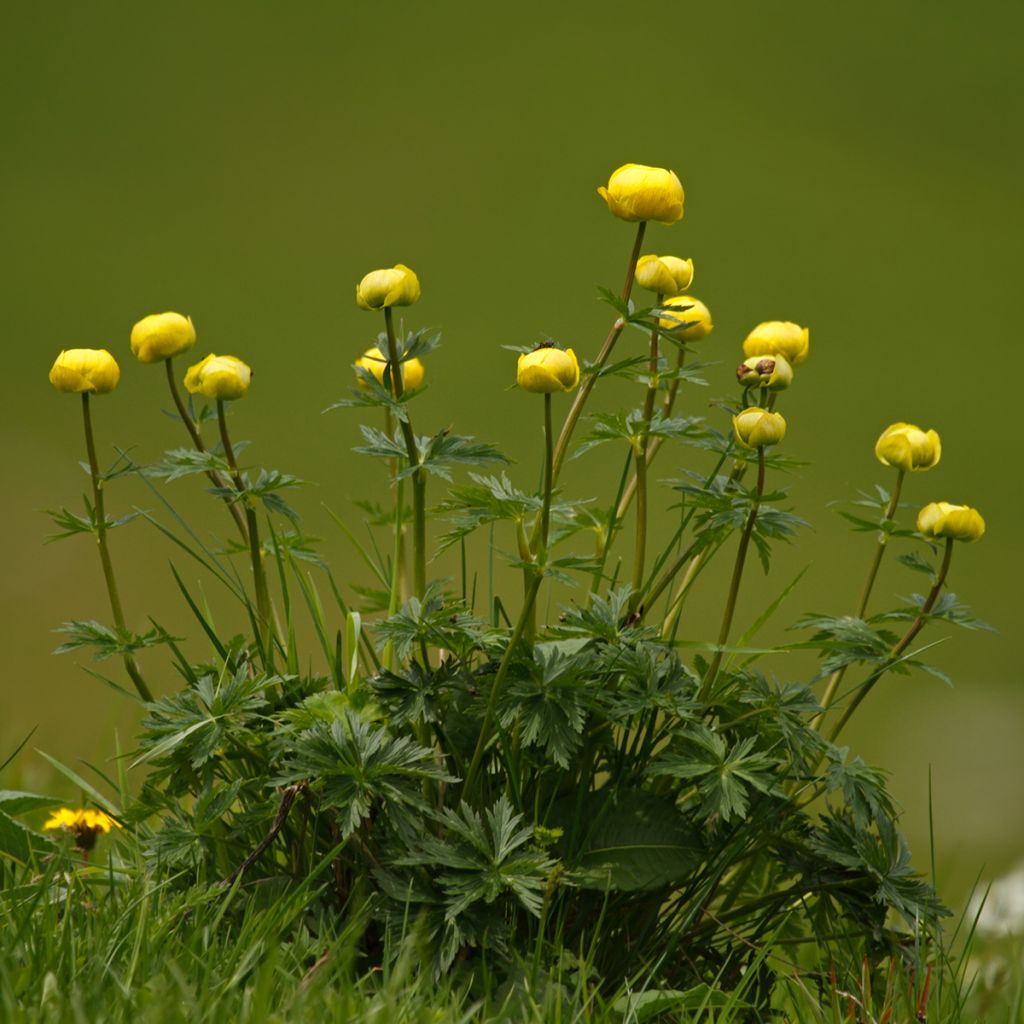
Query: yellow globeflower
(909, 448)
(83, 824)
(85, 369)
(772, 372)
(219, 377)
(779, 338)
(757, 428)
(667, 275)
(636, 192)
(548, 369)
(940, 519)
(375, 361)
(393, 286)
(162, 335)
(686, 318)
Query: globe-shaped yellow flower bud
(636, 192)
(757, 428)
(375, 361)
(220, 378)
(548, 369)
(666, 275)
(909, 448)
(162, 335)
(685, 318)
(940, 519)
(772, 372)
(393, 286)
(85, 369)
(779, 338)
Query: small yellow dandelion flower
(84, 824)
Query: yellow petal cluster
(779, 338)
(666, 275)
(85, 825)
(375, 361)
(686, 318)
(161, 336)
(909, 448)
(548, 369)
(941, 519)
(772, 372)
(85, 369)
(757, 428)
(637, 192)
(393, 286)
(220, 378)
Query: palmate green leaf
(354, 765)
(862, 786)
(883, 858)
(70, 523)
(845, 640)
(191, 727)
(546, 700)
(107, 641)
(414, 693)
(444, 450)
(182, 462)
(492, 499)
(626, 840)
(480, 858)
(948, 608)
(724, 776)
(379, 445)
(914, 560)
(436, 621)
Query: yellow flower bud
(162, 335)
(909, 448)
(685, 318)
(85, 369)
(219, 378)
(666, 275)
(548, 369)
(374, 361)
(756, 428)
(394, 286)
(940, 519)
(636, 192)
(772, 372)
(779, 338)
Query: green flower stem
(526, 616)
(906, 640)
(252, 529)
(576, 409)
(419, 481)
(734, 585)
(883, 539)
(640, 545)
(197, 440)
(100, 515)
(655, 444)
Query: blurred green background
(856, 168)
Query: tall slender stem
(419, 482)
(655, 444)
(197, 440)
(526, 616)
(253, 531)
(905, 641)
(883, 538)
(643, 442)
(100, 516)
(576, 409)
(734, 585)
